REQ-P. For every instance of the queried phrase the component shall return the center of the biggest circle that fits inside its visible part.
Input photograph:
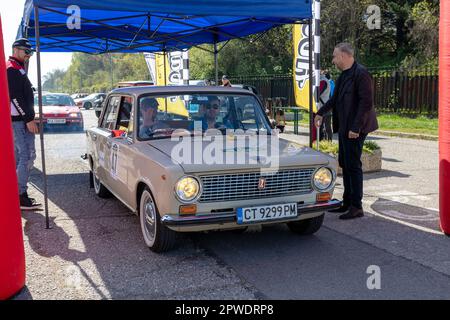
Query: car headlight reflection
(323, 178)
(187, 189)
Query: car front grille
(245, 186)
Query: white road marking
(408, 224)
(383, 187)
(400, 215)
(400, 193)
(411, 225)
(403, 196)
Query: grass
(408, 124)
(418, 124)
(333, 148)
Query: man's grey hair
(346, 47)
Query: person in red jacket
(22, 115)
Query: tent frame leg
(311, 78)
(216, 64)
(41, 123)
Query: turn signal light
(188, 209)
(323, 197)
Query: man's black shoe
(342, 209)
(27, 203)
(352, 214)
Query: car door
(100, 137)
(120, 151)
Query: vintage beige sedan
(192, 158)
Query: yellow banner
(301, 66)
(173, 105)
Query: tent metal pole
(165, 78)
(316, 24)
(311, 118)
(41, 123)
(216, 64)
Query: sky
(11, 12)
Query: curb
(405, 135)
(290, 129)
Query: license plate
(56, 121)
(266, 213)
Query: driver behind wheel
(147, 120)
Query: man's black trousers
(350, 151)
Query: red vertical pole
(444, 116)
(12, 255)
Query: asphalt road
(94, 249)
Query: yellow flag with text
(166, 75)
(301, 66)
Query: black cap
(149, 103)
(224, 77)
(22, 43)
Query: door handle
(94, 137)
(115, 148)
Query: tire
(156, 236)
(306, 227)
(100, 190)
(87, 105)
(98, 113)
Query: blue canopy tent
(97, 27)
(154, 25)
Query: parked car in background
(88, 101)
(77, 96)
(132, 155)
(205, 82)
(59, 111)
(249, 88)
(98, 103)
(124, 84)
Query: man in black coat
(353, 118)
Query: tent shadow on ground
(102, 239)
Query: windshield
(159, 116)
(55, 100)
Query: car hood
(58, 109)
(290, 155)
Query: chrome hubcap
(96, 183)
(149, 216)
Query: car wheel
(156, 236)
(87, 105)
(306, 227)
(98, 113)
(99, 188)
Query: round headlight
(323, 178)
(187, 189)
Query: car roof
(137, 91)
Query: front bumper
(229, 219)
